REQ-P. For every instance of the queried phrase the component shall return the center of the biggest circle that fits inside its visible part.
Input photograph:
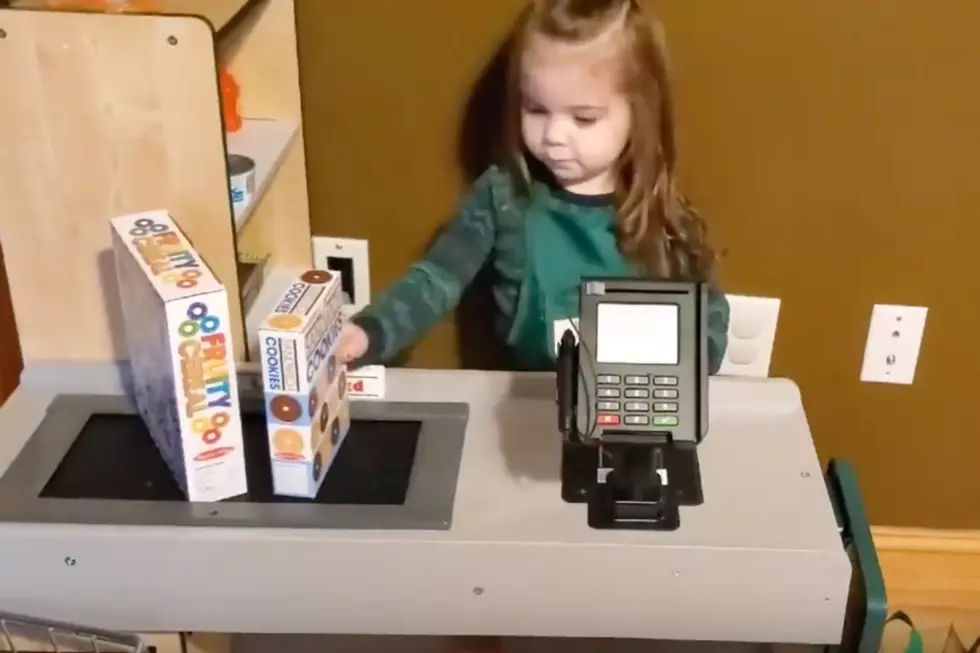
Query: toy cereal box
(366, 382)
(181, 355)
(305, 387)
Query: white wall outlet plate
(751, 335)
(349, 257)
(894, 341)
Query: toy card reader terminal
(632, 401)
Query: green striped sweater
(489, 227)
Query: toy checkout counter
(648, 502)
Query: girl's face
(574, 117)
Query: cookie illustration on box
(316, 277)
(285, 409)
(318, 401)
(287, 444)
(313, 403)
(317, 466)
(342, 385)
(324, 417)
(284, 322)
(329, 445)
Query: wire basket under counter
(24, 634)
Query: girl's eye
(585, 121)
(534, 111)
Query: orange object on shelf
(110, 6)
(229, 90)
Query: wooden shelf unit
(113, 113)
(221, 14)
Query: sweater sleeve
(433, 285)
(718, 318)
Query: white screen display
(638, 334)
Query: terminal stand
(633, 495)
(632, 472)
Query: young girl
(588, 190)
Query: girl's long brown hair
(656, 224)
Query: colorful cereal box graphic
(181, 355)
(305, 387)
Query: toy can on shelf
(241, 180)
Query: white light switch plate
(894, 341)
(354, 249)
(751, 335)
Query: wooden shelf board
(266, 142)
(219, 13)
(144, 132)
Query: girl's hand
(353, 343)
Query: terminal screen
(637, 334)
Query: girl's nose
(554, 133)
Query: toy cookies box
(181, 355)
(306, 402)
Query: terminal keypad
(637, 400)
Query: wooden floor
(935, 627)
(934, 576)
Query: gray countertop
(761, 560)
